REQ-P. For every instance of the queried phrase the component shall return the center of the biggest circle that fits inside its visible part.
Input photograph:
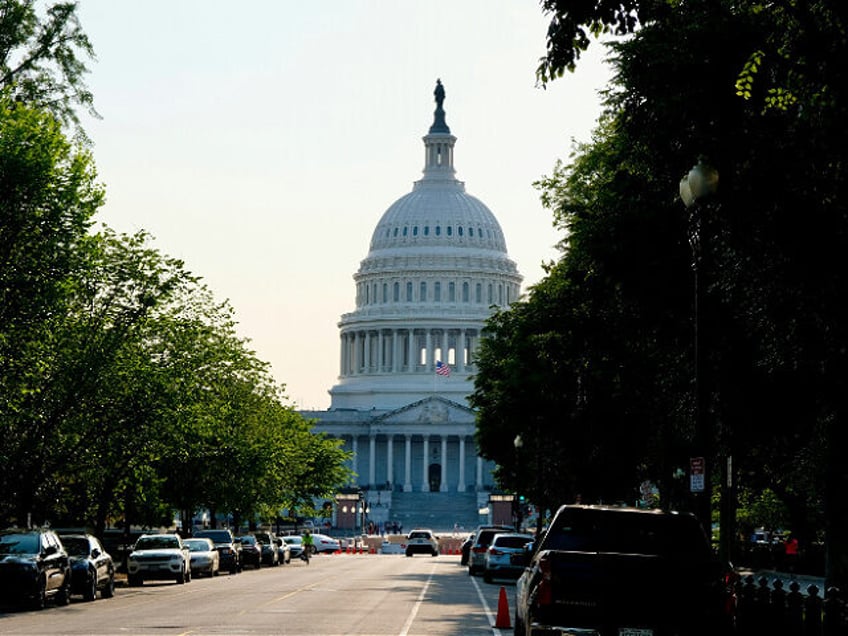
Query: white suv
(422, 540)
(159, 556)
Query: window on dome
(415, 231)
(385, 292)
(480, 232)
(491, 294)
(438, 230)
(405, 230)
(451, 292)
(426, 230)
(367, 299)
(471, 232)
(465, 293)
(478, 293)
(396, 232)
(374, 295)
(409, 292)
(459, 230)
(422, 293)
(500, 294)
(388, 232)
(450, 230)
(396, 294)
(437, 292)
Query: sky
(260, 142)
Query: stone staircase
(439, 511)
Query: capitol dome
(436, 268)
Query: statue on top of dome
(439, 125)
(439, 93)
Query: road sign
(696, 474)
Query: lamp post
(696, 189)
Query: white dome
(436, 267)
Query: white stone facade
(436, 268)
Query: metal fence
(765, 609)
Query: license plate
(634, 631)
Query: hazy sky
(261, 142)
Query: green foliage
(41, 57)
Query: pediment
(431, 410)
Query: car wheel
(63, 596)
(233, 569)
(408, 553)
(90, 592)
(487, 576)
(39, 600)
(188, 575)
(108, 590)
(181, 577)
(435, 553)
(134, 580)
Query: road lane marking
(405, 629)
(489, 614)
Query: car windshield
(157, 543)
(19, 544)
(218, 537)
(197, 545)
(76, 546)
(679, 537)
(248, 540)
(419, 535)
(264, 538)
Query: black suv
(228, 548)
(34, 567)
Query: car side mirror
(95, 553)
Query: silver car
(498, 561)
(204, 558)
(482, 539)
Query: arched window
(396, 295)
(426, 230)
(405, 230)
(459, 230)
(478, 293)
(409, 292)
(465, 294)
(385, 292)
(437, 292)
(422, 293)
(415, 231)
(450, 230)
(438, 230)
(451, 292)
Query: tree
(42, 58)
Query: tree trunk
(836, 504)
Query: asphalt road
(354, 595)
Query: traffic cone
(503, 621)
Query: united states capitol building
(436, 269)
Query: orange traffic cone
(502, 621)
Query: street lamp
(696, 188)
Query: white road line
(405, 629)
(492, 617)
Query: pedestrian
(790, 552)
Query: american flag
(442, 368)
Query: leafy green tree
(48, 196)
(42, 57)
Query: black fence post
(794, 609)
(813, 612)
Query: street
(335, 594)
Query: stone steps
(438, 511)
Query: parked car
(295, 544)
(482, 539)
(283, 551)
(465, 548)
(598, 569)
(34, 567)
(159, 556)
(251, 551)
(203, 557)
(270, 555)
(499, 557)
(92, 568)
(422, 541)
(229, 550)
(325, 543)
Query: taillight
(478, 550)
(496, 552)
(544, 591)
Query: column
(411, 350)
(380, 360)
(460, 487)
(460, 351)
(366, 354)
(407, 482)
(429, 358)
(395, 350)
(353, 462)
(372, 456)
(445, 349)
(444, 485)
(390, 461)
(425, 485)
(479, 473)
